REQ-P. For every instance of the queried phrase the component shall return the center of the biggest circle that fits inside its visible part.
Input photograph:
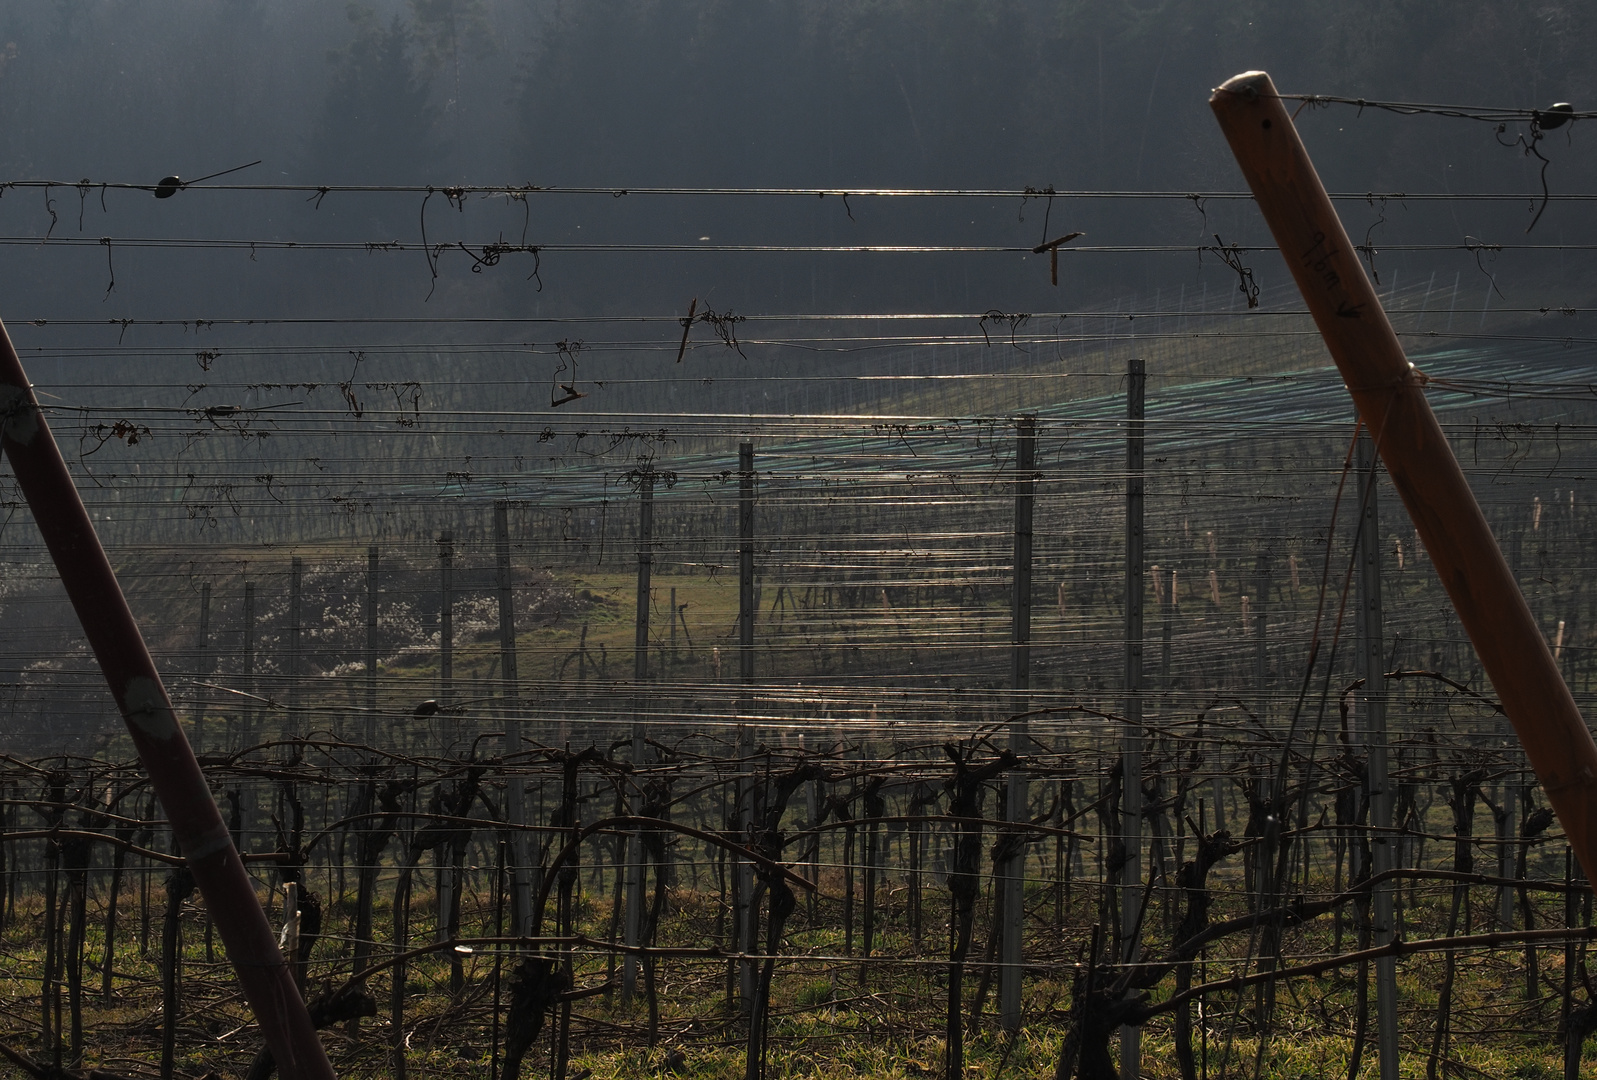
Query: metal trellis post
(635, 877)
(446, 628)
(515, 784)
(247, 712)
(296, 569)
(1382, 848)
(202, 665)
(745, 915)
(1014, 877)
(369, 728)
(1131, 747)
(1261, 628)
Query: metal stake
(369, 728)
(515, 784)
(202, 666)
(446, 627)
(1382, 855)
(296, 569)
(1131, 747)
(1014, 877)
(746, 930)
(634, 883)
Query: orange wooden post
(1390, 395)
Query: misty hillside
(461, 268)
(624, 94)
(548, 445)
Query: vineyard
(665, 538)
(795, 751)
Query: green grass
(826, 1020)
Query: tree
(378, 124)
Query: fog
(824, 94)
(458, 207)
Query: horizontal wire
(1458, 112)
(835, 346)
(775, 317)
(497, 248)
(493, 247)
(518, 191)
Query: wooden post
(1383, 856)
(130, 673)
(1390, 395)
(1013, 876)
(1131, 746)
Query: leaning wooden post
(119, 648)
(1390, 395)
(1016, 812)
